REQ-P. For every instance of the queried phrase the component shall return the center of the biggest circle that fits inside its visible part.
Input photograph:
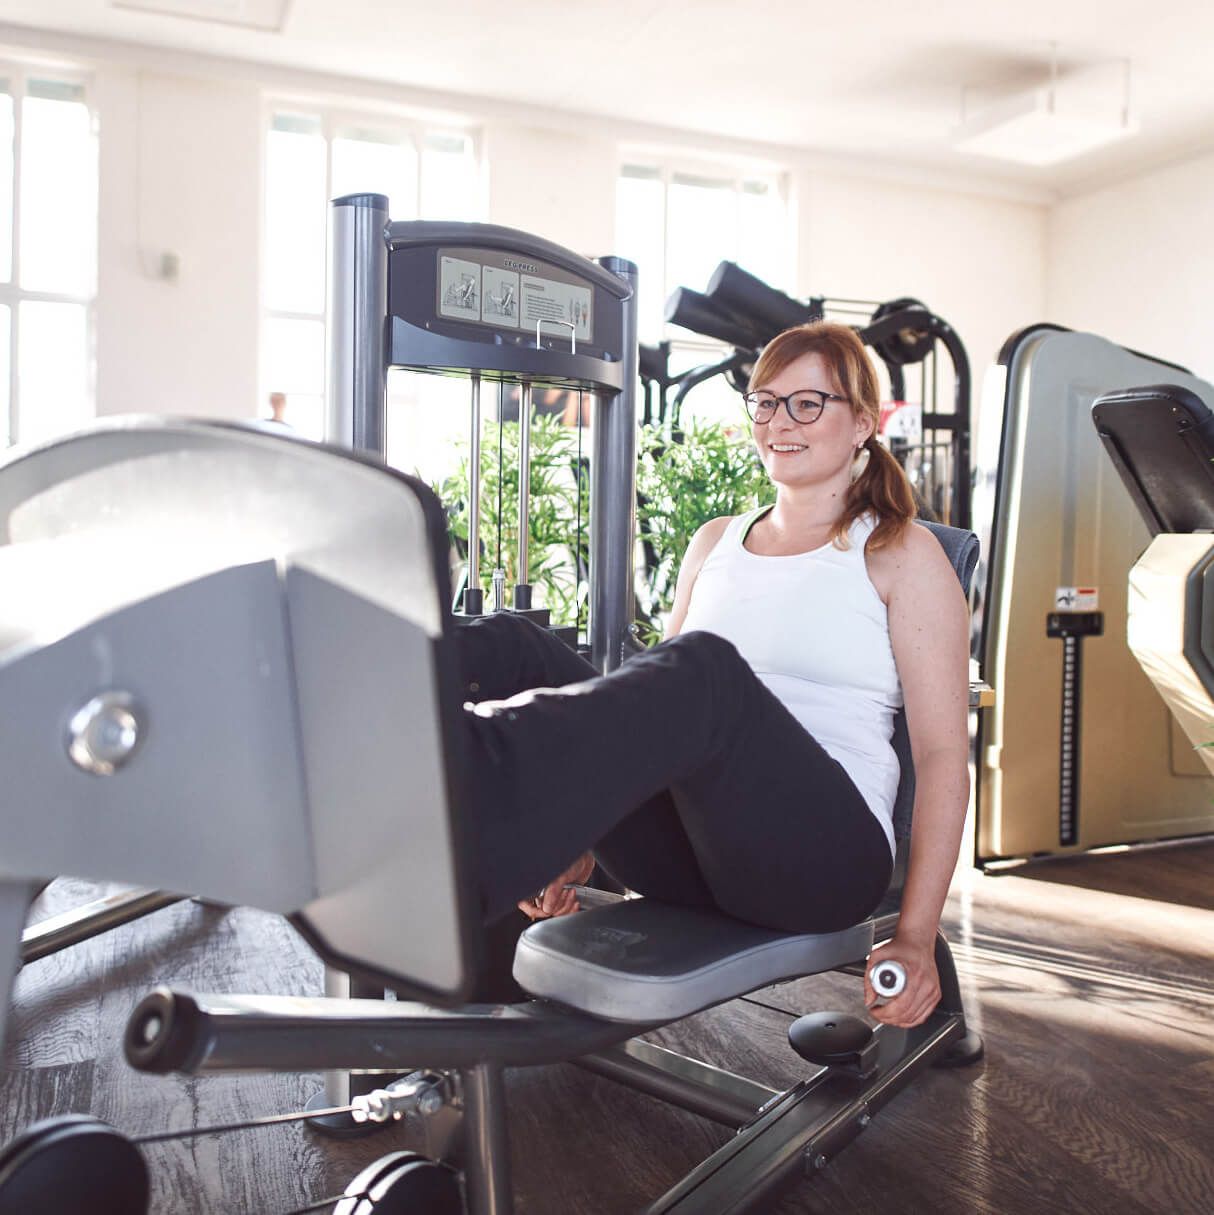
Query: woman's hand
(556, 899)
(922, 991)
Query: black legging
(692, 783)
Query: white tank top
(814, 630)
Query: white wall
(979, 262)
(181, 151)
(1135, 263)
(555, 183)
(180, 174)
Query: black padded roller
(698, 313)
(769, 311)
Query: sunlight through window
(678, 226)
(311, 159)
(48, 255)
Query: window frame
(735, 174)
(12, 294)
(334, 119)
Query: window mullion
(737, 219)
(666, 289)
(14, 316)
(419, 154)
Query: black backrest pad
(1161, 440)
(961, 548)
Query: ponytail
(881, 490)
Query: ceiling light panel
(251, 14)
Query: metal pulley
(909, 344)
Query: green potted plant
(684, 480)
(557, 524)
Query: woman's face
(799, 453)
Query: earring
(860, 463)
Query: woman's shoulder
(709, 535)
(913, 554)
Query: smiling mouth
(786, 449)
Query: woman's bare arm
(702, 543)
(928, 626)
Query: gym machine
(313, 594)
(1079, 752)
(744, 312)
(1161, 441)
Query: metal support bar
(473, 594)
(487, 1143)
(358, 302)
(341, 1087)
(807, 1127)
(174, 1031)
(522, 583)
(613, 497)
(699, 375)
(709, 1091)
(82, 923)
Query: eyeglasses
(804, 406)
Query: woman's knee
(709, 648)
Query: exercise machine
(279, 659)
(1161, 441)
(746, 313)
(1079, 752)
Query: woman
(745, 762)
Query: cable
(268, 1120)
(577, 552)
(327, 1202)
(784, 1012)
(500, 444)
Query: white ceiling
(879, 79)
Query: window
(312, 157)
(48, 254)
(678, 226)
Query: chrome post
(487, 1143)
(522, 584)
(354, 417)
(613, 496)
(358, 304)
(474, 596)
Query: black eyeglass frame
(749, 404)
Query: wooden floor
(1091, 980)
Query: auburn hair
(882, 488)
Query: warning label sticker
(1076, 599)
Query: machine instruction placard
(511, 292)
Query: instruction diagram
(460, 289)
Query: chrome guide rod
(474, 596)
(613, 496)
(358, 298)
(522, 584)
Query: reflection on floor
(1092, 981)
